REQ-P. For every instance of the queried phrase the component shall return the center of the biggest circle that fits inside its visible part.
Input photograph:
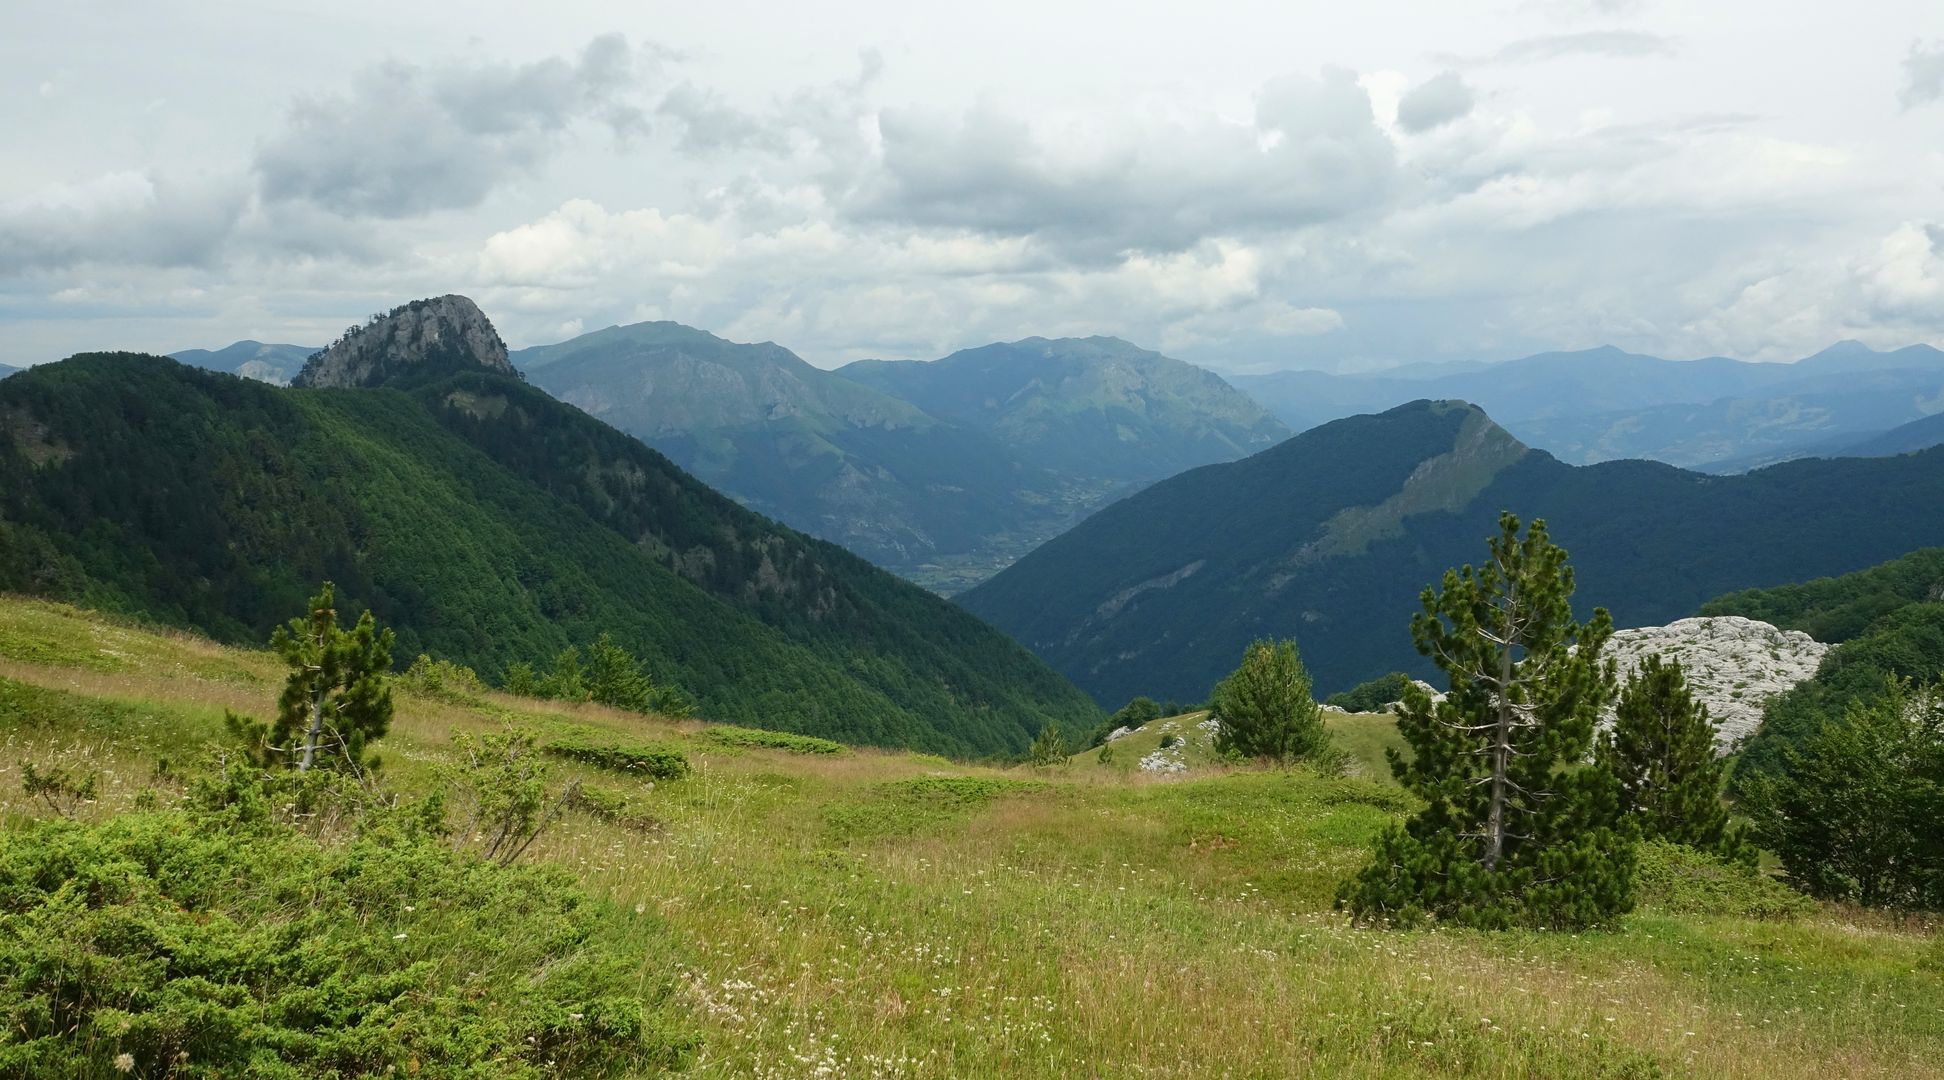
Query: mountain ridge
(488, 523)
(941, 499)
(1225, 553)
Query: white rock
(1734, 665)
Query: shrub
(443, 679)
(614, 807)
(61, 790)
(1168, 741)
(160, 943)
(771, 740)
(1683, 881)
(620, 754)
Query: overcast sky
(1250, 186)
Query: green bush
(176, 942)
(771, 740)
(614, 807)
(621, 754)
(1680, 880)
(443, 679)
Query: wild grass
(883, 914)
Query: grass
(884, 914)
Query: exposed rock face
(443, 333)
(1733, 665)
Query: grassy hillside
(884, 914)
(488, 523)
(1329, 538)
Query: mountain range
(1328, 538)
(275, 364)
(943, 471)
(487, 523)
(1604, 404)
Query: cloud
(1437, 101)
(1312, 153)
(408, 140)
(1923, 72)
(1615, 44)
(138, 218)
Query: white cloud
(407, 140)
(1434, 103)
(1923, 73)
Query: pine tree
(614, 677)
(1049, 747)
(1516, 829)
(335, 701)
(1661, 751)
(1264, 707)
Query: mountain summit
(443, 334)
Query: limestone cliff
(445, 333)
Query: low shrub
(1683, 881)
(906, 807)
(176, 943)
(771, 740)
(444, 680)
(621, 754)
(614, 807)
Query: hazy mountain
(1095, 407)
(276, 364)
(909, 479)
(1605, 404)
(6, 371)
(1903, 439)
(1330, 536)
(488, 523)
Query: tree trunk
(1501, 754)
(316, 729)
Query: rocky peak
(445, 333)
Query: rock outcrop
(445, 333)
(1734, 665)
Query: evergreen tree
(614, 677)
(1515, 829)
(1049, 747)
(568, 679)
(335, 701)
(1661, 752)
(1855, 811)
(1265, 709)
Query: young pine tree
(335, 701)
(1516, 830)
(1661, 752)
(1265, 709)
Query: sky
(1251, 186)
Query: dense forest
(1886, 621)
(488, 524)
(1330, 537)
